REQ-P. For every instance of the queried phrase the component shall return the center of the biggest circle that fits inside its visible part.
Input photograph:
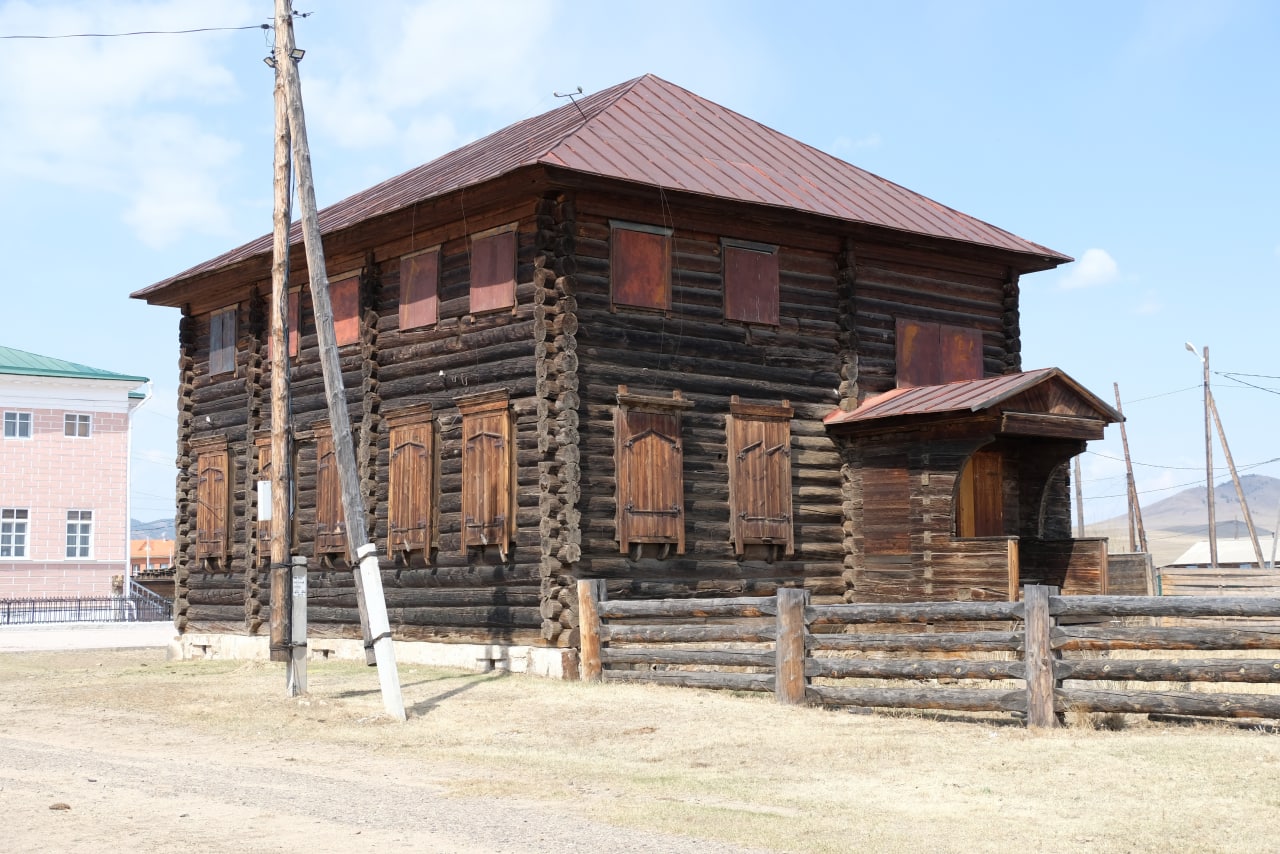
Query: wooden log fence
(801, 651)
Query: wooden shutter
(934, 353)
(213, 502)
(493, 269)
(487, 471)
(759, 442)
(420, 288)
(344, 298)
(411, 483)
(222, 341)
(650, 469)
(331, 530)
(750, 282)
(979, 508)
(640, 265)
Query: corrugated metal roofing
(962, 396)
(652, 132)
(22, 363)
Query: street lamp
(1208, 454)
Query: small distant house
(640, 338)
(1233, 553)
(64, 475)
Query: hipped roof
(22, 363)
(652, 132)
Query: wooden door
(980, 500)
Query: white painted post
(296, 666)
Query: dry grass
(715, 766)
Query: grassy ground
(712, 766)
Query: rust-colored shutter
(411, 488)
(487, 514)
(751, 284)
(934, 353)
(295, 321)
(264, 526)
(649, 462)
(493, 270)
(640, 266)
(344, 297)
(760, 475)
(331, 531)
(213, 503)
(961, 354)
(420, 289)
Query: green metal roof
(32, 365)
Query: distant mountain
(1186, 512)
(160, 529)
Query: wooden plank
(1039, 657)
(790, 646)
(591, 591)
(951, 699)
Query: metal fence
(142, 606)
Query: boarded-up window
(331, 529)
(411, 481)
(640, 265)
(488, 517)
(222, 341)
(934, 353)
(420, 288)
(344, 297)
(750, 282)
(493, 269)
(293, 333)
(650, 471)
(759, 443)
(980, 498)
(213, 500)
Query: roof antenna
(570, 95)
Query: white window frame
(82, 532)
(17, 420)
(82, 420)
(9, 533)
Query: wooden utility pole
(1208, 461)
(1235, 479)
(287, 622)
(1079, 500)
(368, 576)
(1135, 509)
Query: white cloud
(119, 116)
(1095, 268)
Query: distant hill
(160, 529)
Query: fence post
(1038, 628)
(789, 678)
(591, 591)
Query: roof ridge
(14, 361)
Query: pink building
(64, 475)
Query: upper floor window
(17, 425)
(640, 265)
(936, 353)
(420, 288)
(493, 269)
(344, 299)
(222, 341)
(13, 531)
(77, 424)
(750, 282)
(79, 533)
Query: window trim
(84, 419)
(18, 421)
(26, 531)
(84, 533)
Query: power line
(141, 33)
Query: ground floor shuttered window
(488, 471)
(331, 529)
(411, 475)
(759, 443)
(649, 460)
(213, 500)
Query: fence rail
(143, 606)
(811, 653)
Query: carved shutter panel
(649, 460)
(411, 482)
(487, 514)
(213, 503)
(331, 532)
(493, 270)
(760, 475)
(264, 526)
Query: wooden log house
(645, 339)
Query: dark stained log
(695, 679)
(1171, 703)
(853, 668)
(953, 699)
(741, 607)
(1096, 639)
(1173, 670)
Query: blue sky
(1140, 138)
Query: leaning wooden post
(790, 683)
(591, 592)
(368, 575)
(1038, 625)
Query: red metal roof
(962, 396)
(652, 132)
